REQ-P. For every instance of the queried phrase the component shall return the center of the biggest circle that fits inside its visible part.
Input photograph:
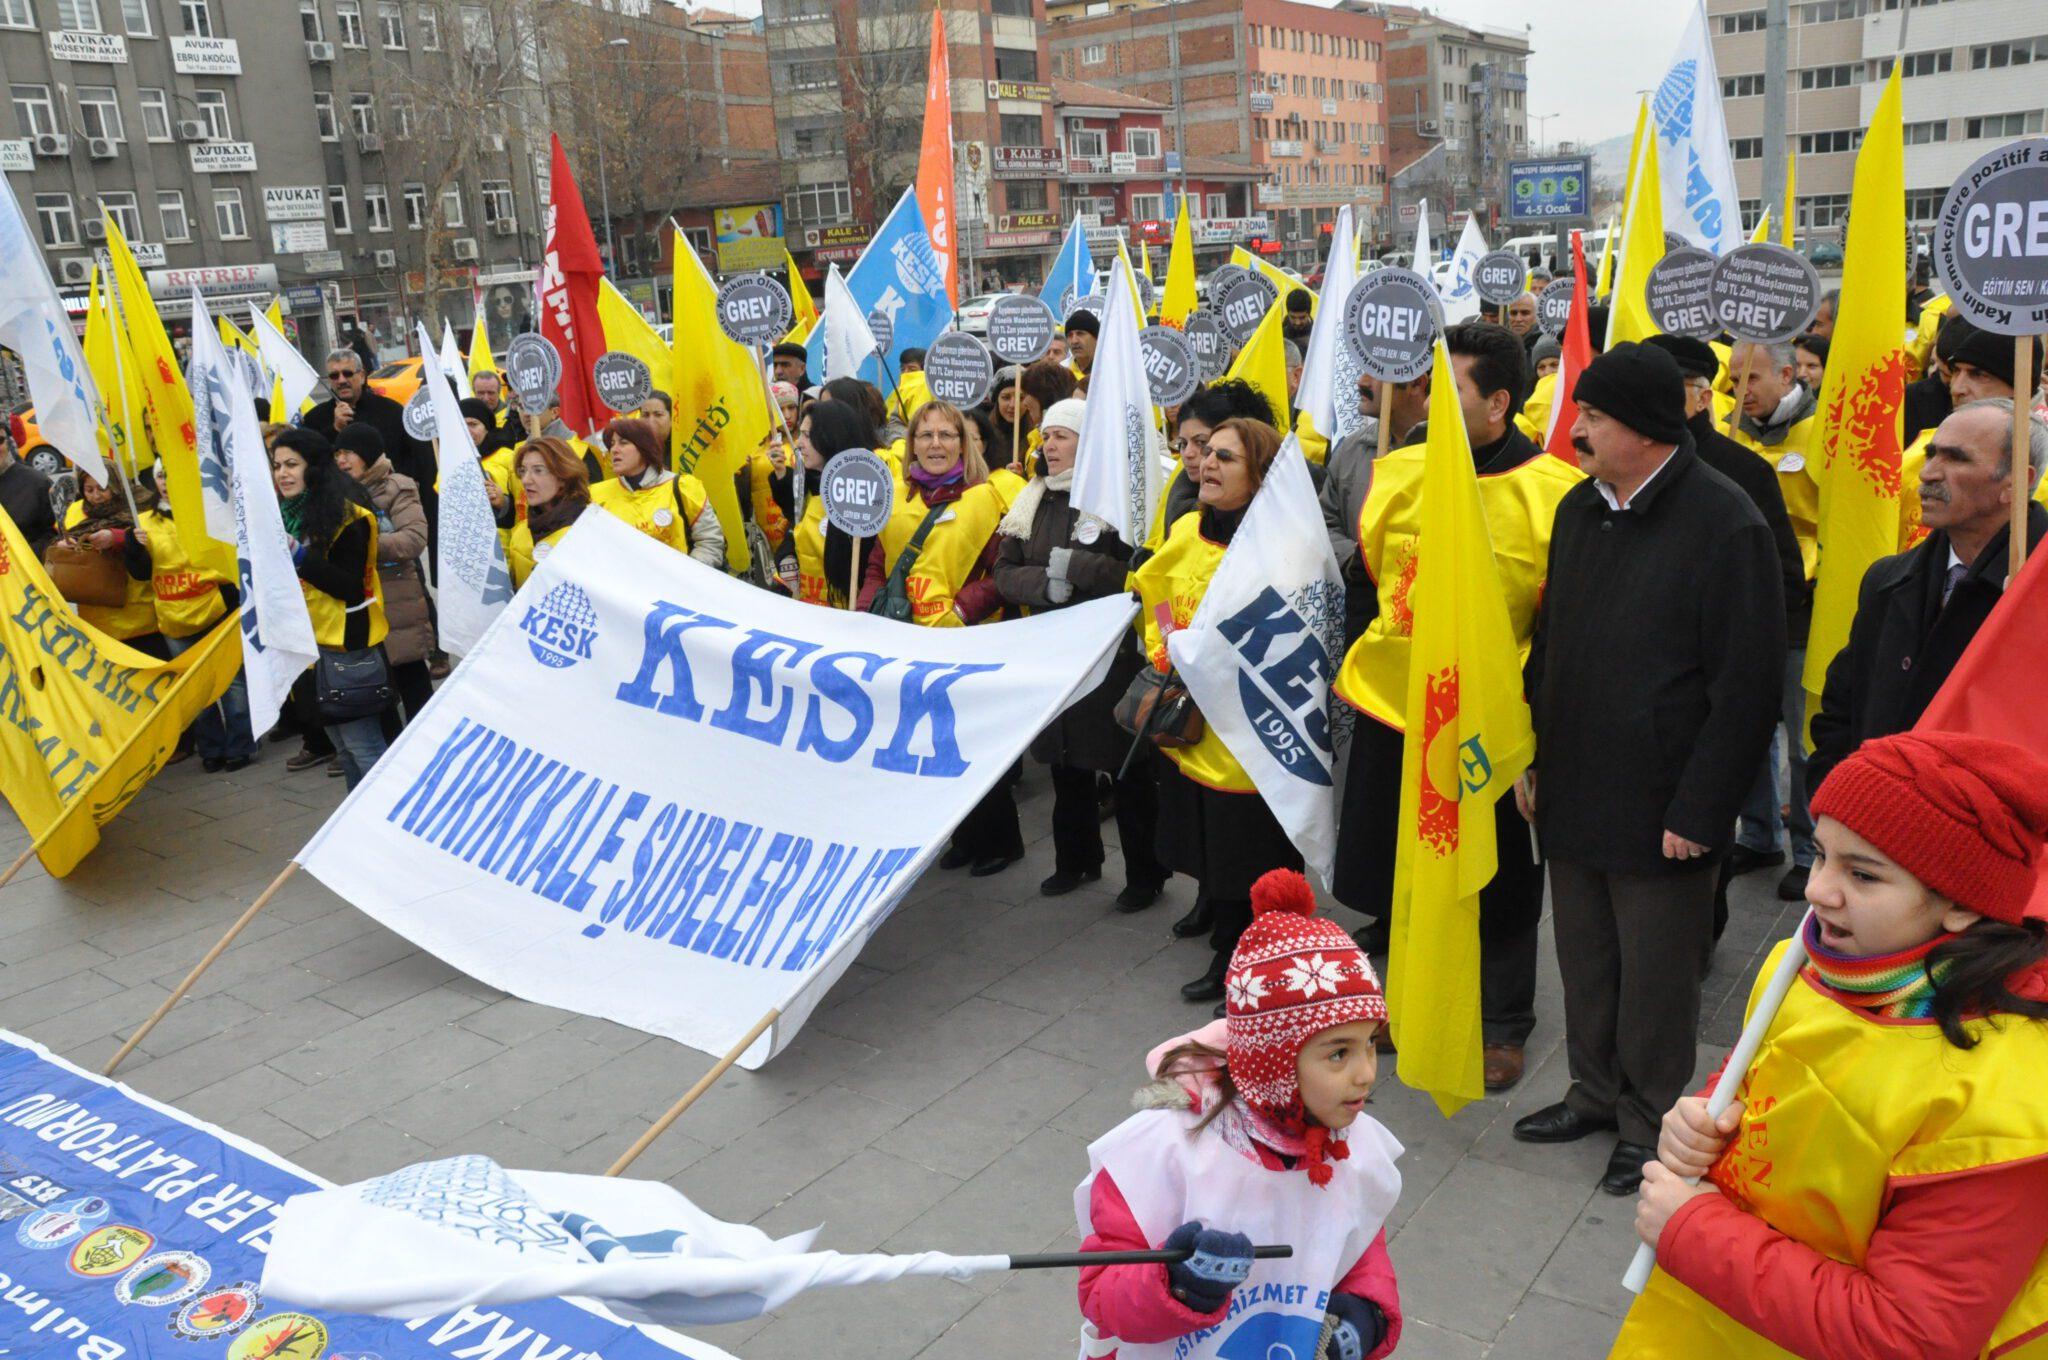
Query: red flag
(570, 271)
(935, 161)
(1578, 352)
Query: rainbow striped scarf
(1897, 986)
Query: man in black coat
(353, 400)
(1653, 682)
(25, 498)
(1918, 610)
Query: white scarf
(1024, 510)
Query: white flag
(452, 362)
(34, 325)
(1460, 292)
(849, 342)
(1330, 370)
(1425, 253)
(1692, 146)
(1262, 649)
(1116, 469)
(471, 579)
(277, 632)
(285, 363)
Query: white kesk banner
(1460, 292)
(680, 816)
(1692, 146)
(471, 579)
(1117, 473)
(1330, 370)
(1262, 649)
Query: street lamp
(1542, 121)
(604, 194)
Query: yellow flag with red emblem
(1855, 456)
(1468, 739)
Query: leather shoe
(1138, 896)
(1745, 859)
(992, 864)
(1209, 986)
(1558, 1123)
(1792, 887)
(1625, 1168)
(1199, 920)
(1503, 1066)
(955, 858)
(1059, 883)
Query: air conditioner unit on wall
(387, 259)
(465, 248)
(54, 144)
(505, 226)
(322, 52)
(75, 270)
(194, 130)
(95, 229)
(101, 148)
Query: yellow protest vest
(652, 510)
(950, 550)
(187, 596)
(1789, 458)
(767, 514)
(1920, 340)
(1838, 1108)
(135, 616)
(1172, 583)
(330, 616)
(812, 587)
(522, 552)
(1520, 505)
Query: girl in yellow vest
(816, 558)
(666, 506)
(954, 505)
(1213, 825)
(190, 601)
(99, 520)
(557, 491)
(501, 483)
(1881, 1186)
(334, 541)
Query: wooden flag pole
(1017, 423)
(1386, 417)
(19, 861)
(2022, 396)
(214, 953)
(853, 577)
(704, 1083)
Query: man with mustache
(1653, 684)
(1918, 610)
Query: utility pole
(1777, 24)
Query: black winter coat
(409, 457)
(1759, 481)
(1655, 672)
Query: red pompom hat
(1965, 815)
(1292, 976)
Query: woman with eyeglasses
(557, 493)
(1200, 415)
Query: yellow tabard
(330, 617)
(767, 514)
(1839, 1109)
(811, 585)
(188, 598)
(652, 510)
(1174, 579)
(135, 616)
(1802, 493)
(1520, 506)
(1920, 340)
(950, 550)
(520, 554)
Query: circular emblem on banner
(110, 1250)
(1764, 292)
(1675, 241)
(62, 1224)
(1148, 292)
(1500, 277)
(217, 1314)
(1679, 293)
(1223, 277)
(957, 369)
(1206, 338)
(1391, 322)
(1091, 303)
(1020, 328)
(623, 380)
(282, 1336)
(1990, 241)
(562, 627)
(163, 1279)
(882, 326)
(859, 492)
(755, 310)
(1243, 306)
(534, 369)
(1554, 307)
(419, 411)
(1171, 370)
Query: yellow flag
(1791, 213)
(1635, 156)
(118, 377)
(721, 399)
(1263, 363)
(87, 720)
(800, 298)
(481, 359)
(1855, 456)
(1283, 279)
(1468, 739)
(1606, 284)
(625, 329)
(1763, 229)
(274, 314)
(1179, 298)
(1629, 316)
(1145, 259)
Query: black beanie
(1959, 342)
(1084, 321)
(362, 440)
(1695, 358)
(479, 410)
(1638, 385)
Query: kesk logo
(1283, 677)
(917, 269)
(561, 627)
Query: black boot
(1209, 986)
(1200, 918)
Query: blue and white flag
(897, 275)
(1330, 370)
(849, 341)
(34, 324)
(465, 1232)
(1460, 293)
(471, 579)
(1262, 649)
(277, 630)
(1073, 267)
(1692, 146)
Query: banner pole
(290, 868)
(1067, 1259)
(1017, 421)
(1386, 416)
(704, 1083)
(19, 860)
(2022, 398)
(853, 577)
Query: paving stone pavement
(941, 1097)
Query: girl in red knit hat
(1881, 1186)
(1258, 1136)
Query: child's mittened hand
(1361, 1326)
(1690, 1142)
(1220, 1263)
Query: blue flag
(1073, 267)
(898, 276)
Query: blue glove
(1361, 1326)
(1220, 1263)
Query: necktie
(1956, 573)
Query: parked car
(29, 444)
(398, 381)
(974, 313)
(1824, 254)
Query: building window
(1142, 142)
(414, 197)
(1824, 210)
(1026, 196)
(121, 207)
(427, 23)
(229, 220)
(33, 112)
(2002, 125)
(135, 18)
(337, 210)
(1743, 86)
(1829, 77)
(1830, 11)
(1919, 134)
(99, 112)
(813, 75)
(309, 21)
(348, 19)
(1924, 205)
(1919, 64)
(79, 16)
(56, 220)
(478, 43)
(170, 210)
(1830, 143)
(1094, 54)
(1991, 56)
(497, 202)
(1746, 148)
(1022, 129)
(451, 206)
(402, 119)
(1087, 143)
(323, 116)
(822, 204)
(1748, 21)
(809, 142)
(1016, 64)
(1148, 207)
(156, 115)
(213, 110)
(17, 14)
(391, 24)
(362, 114)
(198, 19)
(376, 207)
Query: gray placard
(1554, 307)
(1148, 292)
(623, 380)
(754, 310)
(1171, 369)
(1020, 328)
(882, 326)
(1091, 303)
(1764, 292)
(957, 369)
(533, 367)
(419, 412)
(1243, 306)
(858, 492)
(1224, 276)
(1205, 336)
(1500, 277)
(1679, 293)
(1991, 240)
(1391, 322)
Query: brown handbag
(1158, 708)
(85, 575)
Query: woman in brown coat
(401, 546)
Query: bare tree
(884, 50)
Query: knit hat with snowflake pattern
(1292, 976)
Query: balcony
(1121, 165)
